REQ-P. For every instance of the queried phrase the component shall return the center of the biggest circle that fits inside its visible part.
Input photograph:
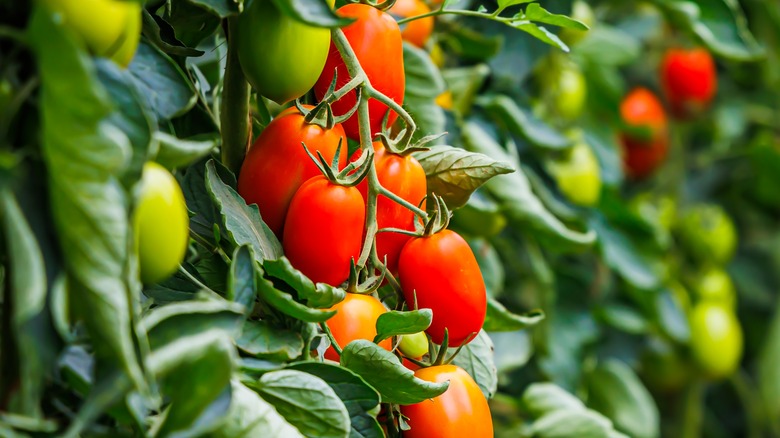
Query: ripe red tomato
(276, 164)
(355, 319)
(404, 176)
(443, 273)
(323, 230)
(689, 80)
(416, 32)
(461, 411)
(643, 153)
(376, 39)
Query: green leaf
(512, 350)
(503, 4)
(535, 12)
(499, 319)
(428, 116)
(514, 193)
(720, 24)
(540, 33)
(542, 398)
(204, 213)
(312, 12)
(524, 124)
(306, 402)
(263, 341)
(454, 173)
(28, 314)
(242, 287)
(476, 358)
(608, 45)
(250, 416)
(222, 8)
(624, 318)
(615, 391)
(243, 222)
(88, 206)
(565, 424)
(395, 323)
(360, 399)
(320, 296)
(162, 35)
(175, 152)
(464, 83)
(161, 82)
(384, 372)
(286, 304)
(165, 324)
(423, 78)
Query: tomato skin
(323, 230)
(716, 339)
(642, 109)
(414, 345)
(355, 319)
(404, 176)
(281, 57)
(715, 285)
(578, 176)
(461, 411)
(689, 80)
(376, 40)
(416, 32)
(276, 164)
(709, 234)
(160, 224)
(109, 28)
(443, 273)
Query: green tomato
(570, 93)
(160, 223)
(578, 175)
(660, 210)
(709, 234)
(109, 28)
(414, 346)
(281, 57)
(580, 11)
(714, 284)
(716, 339)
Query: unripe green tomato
(109, 28)
(709, 234)
(578, 175)
(580, 11)
(714, 284)
(281, 57)
(654, 208)
(161, 224)
(716, 339)
(414, 346)
(569, 93)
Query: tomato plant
(439, 272)
(644, 148)
(461, 411)
(376, 40)
(689, 79)
(160, 224)
(356, 319)
(281, 57)
(276, 164)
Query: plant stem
(494, 16)
(332, 340)
(234, 115)
(692, 410)
(546, 279)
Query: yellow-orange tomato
(416, 32)
(355, 319)
(461, 411)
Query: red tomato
(323, 230)
(689, 80)
(376, 39)
(643, 154)
(404, 176)
(461, 411)
(416, 32)
(276, 164)
(356, 319)
(442, 271)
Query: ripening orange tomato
(643, 153)
(416, 32)
(355, 319)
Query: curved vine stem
(494, 16)
(234, 116)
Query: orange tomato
(418, 31)
(355, 319)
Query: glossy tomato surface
(689, 80)
(404, 176)
(355, 319)
(716, 339)
(276, 164)
(578, 175)
(645, 147)
(461, 411)
(323, 230)
(414, 346)
(376, 40)
(281, 57)
(161, 224)
(442, 273)
(708, 233)
(418, 31)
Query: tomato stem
(332, 340)
(234, 116)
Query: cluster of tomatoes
(319, 214)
